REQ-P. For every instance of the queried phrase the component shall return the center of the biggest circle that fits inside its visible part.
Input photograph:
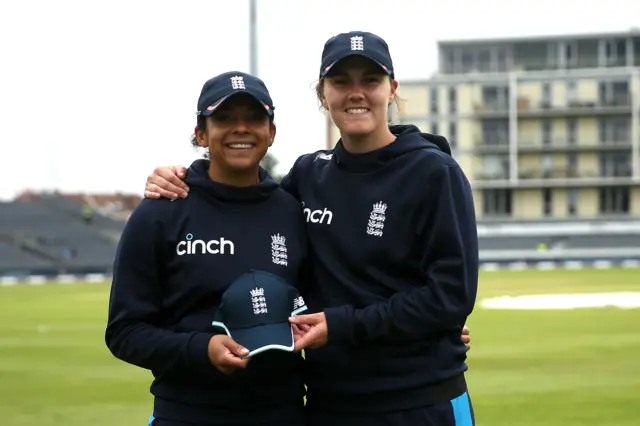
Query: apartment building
(544, 127)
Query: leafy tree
(269, 163)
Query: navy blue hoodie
(395, 261)
(174, 261)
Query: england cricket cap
(356, 43)
(254, 311)
(222, 87)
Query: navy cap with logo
(255, 312)
(220, 88)
(356, 43)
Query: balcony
(563, 177)
(537, 146)
(489, 177)
(616, 62)
(490, 146)
(560, 173)
(556, 173)
(491, 110)
(575, 108)
(542, 63)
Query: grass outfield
(527, 367)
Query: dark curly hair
(202, 125)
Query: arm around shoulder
(290, 182)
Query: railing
(491, 107)
(569, 173)
(492, 176)
(577, 144)
(525, 105)
(619, 100)
(556, 173)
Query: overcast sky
(94, 94)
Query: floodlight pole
(253, 37)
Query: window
(453, 134)
(496, 202)
(615, 130)
(496, 166)
(621, 129)
(495, 97)
(453, 104)
(467, 62)
(602, 131)
(614, 164)
(547, 165)
(547, 129)
(483, 59)
(433, 100)
(434, 128)
(602, 92)
(552, 55)
(572, 129)
(572, 164)
(495, 132)
(610, 51)
(620, 93)
(615, 52)
(614, 200)
(501, 59)
(572, 201)
(614, 93)
(572, 92)
(451, 64)
(571, 54)
(546, 95)
(547, 202)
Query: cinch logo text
(191, 246)
(318, 216)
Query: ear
(272, 134)
(394, 89)
(201, 137)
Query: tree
(269, 163)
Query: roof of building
(539, 38)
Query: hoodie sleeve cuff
(339, 323)
(198, 351)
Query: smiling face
(357, 93)
(238, 134)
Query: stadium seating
(50, 233)
(559, 242)
(19, 262)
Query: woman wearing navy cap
(391, 223)
(177, 260)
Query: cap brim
(277, 336)
(217, 104)
(328, 68)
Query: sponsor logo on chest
(190, 246)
